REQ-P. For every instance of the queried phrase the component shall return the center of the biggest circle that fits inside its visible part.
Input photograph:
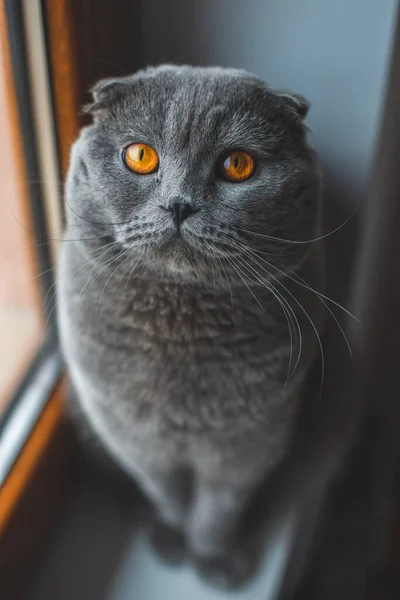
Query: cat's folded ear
(295, 102)
(105, 93)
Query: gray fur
(178, 348)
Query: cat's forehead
(194, 103)
(176, 93)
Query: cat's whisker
(285, 307)
(54, 295)
(287, 311)
(56, 267)
(307, 316)
(228, 281)
(94, 222)
(320, 296)
(34, 244)
(226, 276)
(213, 275)
(125, 256)
(101, 252)
(131, 272)
(305, 284)
(304, 311)
(213, 264)
(232, 262)
(141, 275)
(310, 241)
(214, 257)
(89, 283)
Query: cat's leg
(170, 494)
(212, 533)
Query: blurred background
(339, 55)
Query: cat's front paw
(229, 571)
(168, 542)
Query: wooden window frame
(33, 445)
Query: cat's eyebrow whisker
(321, 237)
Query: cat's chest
(151, 358)
(169, 317)
(154, 387)
(164, 338)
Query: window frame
(32, 421)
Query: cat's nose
(180, 211)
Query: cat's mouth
(185, 252)
(180, 251)
(176, 246)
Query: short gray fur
(189, 353)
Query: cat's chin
(177, 256)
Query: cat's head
(186, 168)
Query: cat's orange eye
(141, 159)
(237, 166)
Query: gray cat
(190, 300)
